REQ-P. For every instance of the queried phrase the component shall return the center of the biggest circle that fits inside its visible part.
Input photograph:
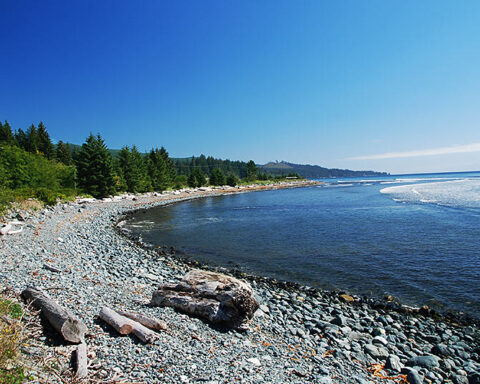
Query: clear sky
(385, 85)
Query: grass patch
(12, 338)
(33, 198)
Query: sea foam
(463, 193)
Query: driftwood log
(149, 322)
(125, 326)
(213, 296)
(5, 229)
(81, 361)
(121, 324)
(62, 320)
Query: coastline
(291, 338)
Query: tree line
(31, 162)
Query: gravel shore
(299, 335)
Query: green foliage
(161, 169)
(217, 177)
(6, 135)
(232, 180)
(45, 145)
(192, 181)
(180, 181)
(46, 195)
(133, 170)
(208, 164)
(32, 139)
(21, 139)
(12, 339)
(63, 153)
(10, 308)
(20, 169)
(196, 178)
(12, 376)
(251, 170)
(95, 168)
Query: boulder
(428, 361)
(376, 351)
(210, 295)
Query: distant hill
(312, 171)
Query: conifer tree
(170, 169)
(217, 177)
(133, 170)
(32, 139)
(192, 181)
(44, 143)
(21, 139)
(232, 180)
(95, 168)
(63, 153)
(157, 170)
(6, 135)
(251, 171)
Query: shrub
(48, 196)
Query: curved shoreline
(299, 335)
(385, 301)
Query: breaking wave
(457, 193)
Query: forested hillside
(312, 171)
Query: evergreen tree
(217, 177)
(199, 177)
(232, 180)
(44, 143)
(251, 171)
(170, 169)
(133, 170)
(95, 168)
(6, 135)
(192, 181)
(21, 139)
(63, 153)
(157, 170)
(32, 139)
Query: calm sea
(415, 237)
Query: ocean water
(414, 237)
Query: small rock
(393, 364)
(376, 351)
(429, 362)
(254, 361)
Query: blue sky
(334, 83)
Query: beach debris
(347, 298)
(5, 229)
(125, 326)
(51, 268)
(149, 322)
(81, 360)
(70, 327)
(211, 295)
(120, 323)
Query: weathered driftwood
(149, 322)
(120, 323)
(81, 360)
(125, 326)
(62, 320)
(5, 229)
(214, 296)
(16, 231)
(143, 333)
(51, 269)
